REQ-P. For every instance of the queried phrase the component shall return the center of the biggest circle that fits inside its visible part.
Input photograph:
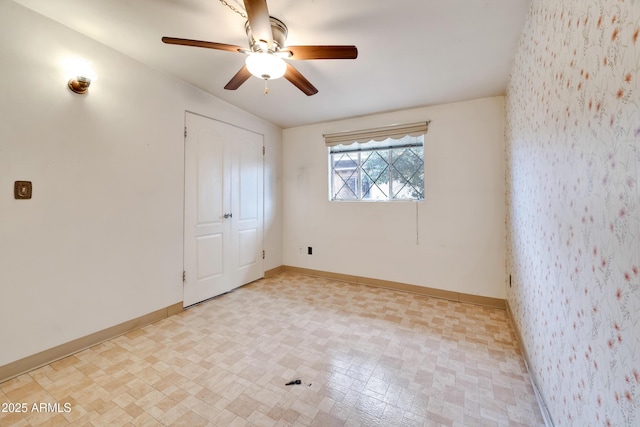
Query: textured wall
(573, 155)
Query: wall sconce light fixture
(80, 74)
(79, 84)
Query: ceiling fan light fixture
(266, 66)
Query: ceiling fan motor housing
(279, 31)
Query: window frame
(389, 145)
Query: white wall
(457, 242)
(101, 240)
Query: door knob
(228, 215)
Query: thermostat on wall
(22, 190)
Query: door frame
(184, 182)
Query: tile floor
(365, 357)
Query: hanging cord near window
(417, 225)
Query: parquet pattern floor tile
(364, 356)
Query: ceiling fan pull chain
(238, 11)
(266, 89)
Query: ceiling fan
(267, 50)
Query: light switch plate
(22, 190)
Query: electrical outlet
(309, 250)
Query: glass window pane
(408, 173)
(375, 175)
(344, 176)
(388, 170)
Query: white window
(391, 169)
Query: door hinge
(263, 254)
(264, 150)
(184, 276)
(185, 131)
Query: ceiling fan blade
(237, 80)
(198, 43)
(259, 21)
(322, 52)
(299, 81)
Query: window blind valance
(378, 134)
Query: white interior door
(223, 225)
(247, 207)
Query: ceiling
(411, 53)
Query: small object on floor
(297, 382)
